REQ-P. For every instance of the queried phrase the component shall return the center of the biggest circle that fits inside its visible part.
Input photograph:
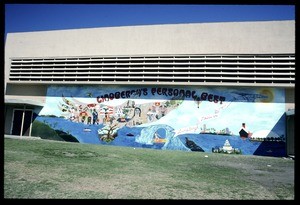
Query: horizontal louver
(272, 70)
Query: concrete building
(252, 62)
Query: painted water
(142, 137)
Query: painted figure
(95, 116)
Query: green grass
(64, 170)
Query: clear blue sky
(40, 17)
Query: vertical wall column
(23, 117)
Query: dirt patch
(266, 174)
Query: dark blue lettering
(204, 96)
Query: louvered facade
(249, 70)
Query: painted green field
(64, 170)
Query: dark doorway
(17, 122)
(290, 135)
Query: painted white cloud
(50, 107)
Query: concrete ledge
(22, 137)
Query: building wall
(194, 123)
(290, 99)
(198, 38)
(195, 38)
(27, 90)
(8, 119)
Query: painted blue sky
(42, 17)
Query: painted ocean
(142, 137)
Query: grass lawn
(64, 170)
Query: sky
(45, 17)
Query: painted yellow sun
(268, 93)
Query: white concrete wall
(200, 38)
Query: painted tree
(108, 133)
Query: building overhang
(27, 102)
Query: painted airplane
(247, 97)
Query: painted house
(186, 87)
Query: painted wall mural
(247, 121)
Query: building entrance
(21, 122)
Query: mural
(246, 121)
